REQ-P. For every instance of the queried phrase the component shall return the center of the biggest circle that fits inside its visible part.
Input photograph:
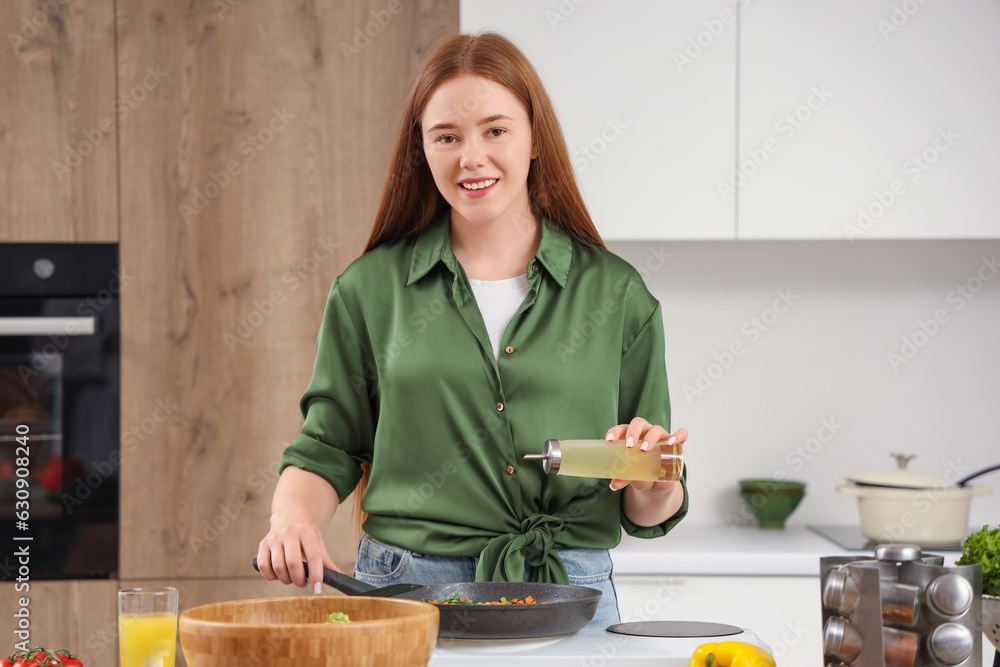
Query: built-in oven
(60, 408)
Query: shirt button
(499, 407)
(510, 470)
(509, 350)
(534, 268)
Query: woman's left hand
(640, 433)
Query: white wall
(826, 358)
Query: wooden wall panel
(247, 184)
(81, 616)
(58, 121)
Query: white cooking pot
(902, 505)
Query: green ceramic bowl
(771, 486)
(774, 507)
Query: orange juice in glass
(147, 626)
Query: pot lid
(900, 477)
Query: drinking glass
(147, 626)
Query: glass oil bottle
(611, 460)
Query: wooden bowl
(291, 631)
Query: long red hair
(410, 199)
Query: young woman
(484, 317)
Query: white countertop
(722, 550)
(587, 647)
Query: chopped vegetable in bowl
(338, 617)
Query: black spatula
(352, 586)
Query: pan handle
(334, 579)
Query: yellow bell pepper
(731, 654)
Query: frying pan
(558, 610)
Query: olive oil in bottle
(611, 460)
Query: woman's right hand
(292, 540)
(302, 502)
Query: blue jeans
(381, 564)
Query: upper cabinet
(859, 119)
(59, 121)
(869, 120)
(646, 96)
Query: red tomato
(67, 658)
(29, 659)
(41, 657)
(56, 468)
(22, 659)
(53, 658)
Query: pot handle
(966, 480)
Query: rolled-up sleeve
(339, 426)
(643, 389)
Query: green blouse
(406, 379)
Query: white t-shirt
(498, 301)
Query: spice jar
(611, 460)
(841, 639)
(950, 643)
(899, 647)
(840, 592)
(900, 602)
(950, 595)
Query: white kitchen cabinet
(784, 612)
(869, 120)
(646, 95)
(857, 119)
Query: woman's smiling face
(477, 133)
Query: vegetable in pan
(457, 599)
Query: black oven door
(59, 434)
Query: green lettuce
(984, 548)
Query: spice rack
(900, 609)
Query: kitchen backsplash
(813, 360)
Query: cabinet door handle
(47, 326)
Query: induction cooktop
(852, 539)
(586, 648)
